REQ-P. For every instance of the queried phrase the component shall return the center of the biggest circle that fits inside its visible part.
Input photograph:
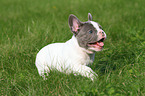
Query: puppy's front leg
(84, 71)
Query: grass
(28, 25)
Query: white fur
(97, 27)
(65, 57)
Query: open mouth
(98, 44)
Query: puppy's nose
(102, 33)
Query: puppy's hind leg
(43, 70)
(44, 73)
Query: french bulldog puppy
(74, 55)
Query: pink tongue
(100, 44)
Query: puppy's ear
(89, 17)
(74, 24)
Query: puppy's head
(89, 34)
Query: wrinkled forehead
(92, 25)
(88, 26)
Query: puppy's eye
(90, 32)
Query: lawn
(28, 25)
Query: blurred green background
(28, 25)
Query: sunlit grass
(27, 26)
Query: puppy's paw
(93, 76)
